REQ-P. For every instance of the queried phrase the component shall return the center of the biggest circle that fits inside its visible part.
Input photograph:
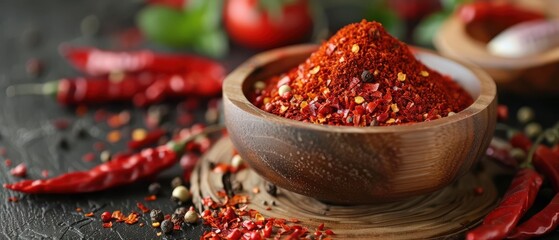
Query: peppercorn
(181, 211)
(367, 76)
(191, 216)
(181, 194)
(525, 114)
(154, 188)
(106, 216)
(177, 219)
(156, 215)
(533, 129)
(177, 181)
(167, 226)
(236, 161)
(105, 156)
(271, 189)
(63, 144)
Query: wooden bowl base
(447, 213)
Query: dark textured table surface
(34, 29)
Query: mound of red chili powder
(361, 76)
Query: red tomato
(251, 27)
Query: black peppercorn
(177, 181)
(167, 226)
(367, 76)
(177, 219)
(181, 211)
(154, 188)
(271, 189)
(156, 215)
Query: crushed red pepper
(232, 219)
(362, 76)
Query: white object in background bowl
(526, 39)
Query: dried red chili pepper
(547, 219)
(151, 138)
(362, 77)
(520, 140)
(111, 174)
(519, 197)
(547, 163)
(99, 62)
(142, 91)
(510, 14)
(120, 171)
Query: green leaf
(426, 30)
(451, 5)
(165, 25)
(213, 44)
(380, 12)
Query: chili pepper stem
(49, 88)
(541, 137)
(178, 145)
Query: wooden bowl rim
(234, 81)
(453, 38)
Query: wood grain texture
(444, 214)
(357, 164)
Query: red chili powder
(362, 76)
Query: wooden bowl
(531, 75)
(357, 165)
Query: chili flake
(19, 171)
(332, 95)
(89, 214)
(139, 134)
(13, 199)
(107, 224)
(142, 207)
(114, 136)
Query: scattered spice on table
(13, 199)
(148, 138)
(362, 76)
(142, 207)
(106, 216)
(232, 219)
(19, 171)
(88, 157)
(120, 171)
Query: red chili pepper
(120, 171)
(519, 140)
(555, 149)
(151, 138)
(547, 163)
(502, 156)
(540, 224)
(547, 219)
(519, 197)
(141, 91)
(99, 62)
(490, 11)
(111, 174)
